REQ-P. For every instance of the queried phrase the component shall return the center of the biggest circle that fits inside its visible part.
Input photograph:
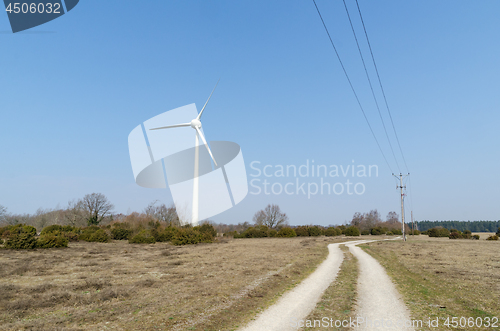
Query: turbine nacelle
(195, 123)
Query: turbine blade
(172, 126)
(202, 109)
(206, 145)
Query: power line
(350, 83)
(381, 87)
(386, 103)
(370, 82)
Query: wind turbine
(196, 125)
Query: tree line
(92, 209)
(96, 209)
(474, 226)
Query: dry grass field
(442, 278)
(93, 286)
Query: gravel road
(300, 301)
(379, 303)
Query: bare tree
(163, 213)
(96, 206)
(366, 221)
(150, 210)
(357, 219)
(372, 219)
(392, 217)
(19, 219)
(271, 216)
(74, 214)
(41, 218)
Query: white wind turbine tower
(196, 125)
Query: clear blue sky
(73, 89)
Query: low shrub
(59, 228)
(52, 240)
(207, 237)
(27, 229)
(6, 234)
(273, 233)
(331, 231)
(1, 241)
(231, 234)
(2, 230)
(475, 237)
(94, 234)
(68, 232)
(152, 224)
(22, 240)
(121, 225)
(186, 236)
(438, 232)
(9, 230)
(256, 232)
(157, 235)
(352, 231)
(314, 231)
(302, 231)
(389, 233)
(71, 236)
(287, 232)
(498, 232)
(120, 233)
(494, 237)
(208, 232)
(143, 237)
(365, 232)
(169, 233)
(455, 235)
(99, 236)
(377, 231)
(397, 232)
(414, 232)
(209, 228)
(50, 229)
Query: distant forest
(474, 226)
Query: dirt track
(299, 302)
(379, 303)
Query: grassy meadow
(443, 278)
(122, 286)
(223, 285)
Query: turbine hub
(196, 124)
